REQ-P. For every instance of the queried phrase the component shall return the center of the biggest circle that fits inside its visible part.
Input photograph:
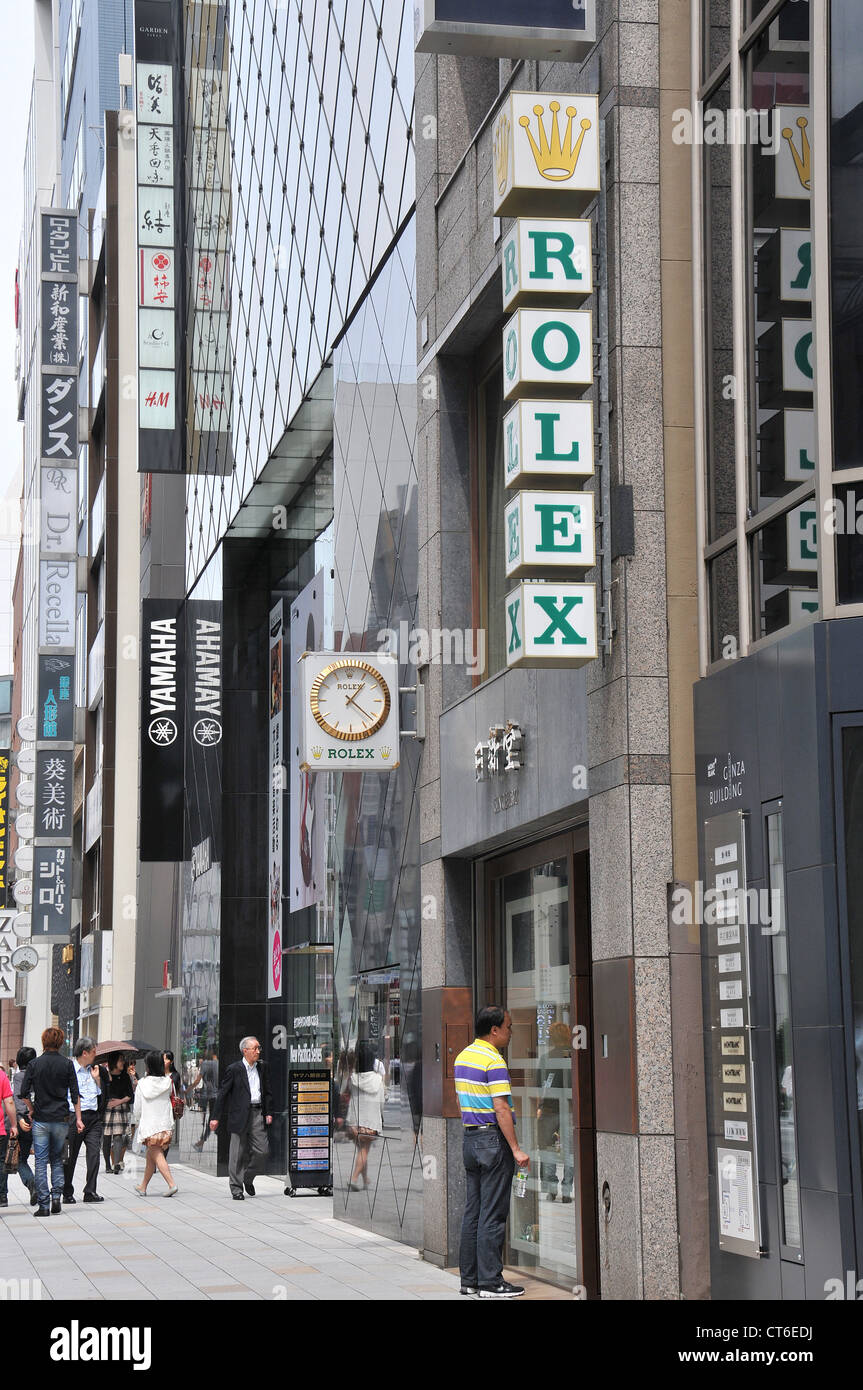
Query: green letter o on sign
(511, 354)
(573, 346)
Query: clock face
(25, 958)
(350, 699)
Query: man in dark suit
(244, 1096)
(93, 1082)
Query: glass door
(536, 966)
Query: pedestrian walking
(154, 1121)
(7, 1116)
(491, 1152)
(365, 1110)
(25, 1128)
(93, 1083)
(49, 1087)
(244, 1099)
(118, 1113)
(208, 1075)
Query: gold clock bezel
(340, 665)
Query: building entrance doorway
(534, 961)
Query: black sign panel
(4, 816)
(500, 28)
(60, 417)
(54, 805)
(59, 323)
(520, 14)
(59, 244)
(154, 31)
(51, 914)
(309, 1128)
(162, 730)
(204, 723)
(55, 714)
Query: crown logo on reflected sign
(317, 752)
(555, 158)
(802, 162)
(502, 132)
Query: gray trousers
(248, 1151)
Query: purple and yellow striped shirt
(480, 1075)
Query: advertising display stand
(309, 1133)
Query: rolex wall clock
(350, 712)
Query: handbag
(178, 1105)
(12, 1155)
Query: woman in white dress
(365, 1110)
(154, 1120)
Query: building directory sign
(726, 928)
(309, 1124)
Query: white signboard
(549, 530)
(736, 1195)
(156, 401)
(799, 445)
(156, 217)
(156, 338)
(797, 358)
(58, 510)
(546, 257)
(546, 153)
(350, 712)
(552, 439)
(155, 155)
(551, 624)
(57, 600)
(545, 348)
(794, 155)
(157, 272)
(802, 536)
(8, 944)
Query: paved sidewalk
(202, 1245)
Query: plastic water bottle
(521, 1182)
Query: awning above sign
(554, 29)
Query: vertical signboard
(4, 836)
(274, 819)
(161, 293)
(162, 731)
(204, 725)
(309, 1129)
(726, 925)
(53, 786)
(307, 803)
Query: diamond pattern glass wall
(319, 126)
(376, 852)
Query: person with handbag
(153, 1116)
(365, 1110)
(245, 1095)
(25, 1128)
(121, 1093)
(7, 1107)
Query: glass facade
(375, 903)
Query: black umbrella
(131, 1045)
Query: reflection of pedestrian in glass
(208, 1075)
(553, 1112)
(365, 1114)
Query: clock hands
(355, 694)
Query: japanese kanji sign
(51, 913)
(55, 780)
(55, 714)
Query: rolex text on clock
(350, 712)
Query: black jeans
(489, 1166)
(91, 1138)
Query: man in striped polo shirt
(491, 1152)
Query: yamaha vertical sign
(162, 730)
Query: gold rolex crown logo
(385, 752)
(502, 133)
(802, 162)
(555, 158)
(317, 752)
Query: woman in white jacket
(154, 1120)
(365, 1110)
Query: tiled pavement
(202, 1245)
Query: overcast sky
(16, 74)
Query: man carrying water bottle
(491, 1153)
